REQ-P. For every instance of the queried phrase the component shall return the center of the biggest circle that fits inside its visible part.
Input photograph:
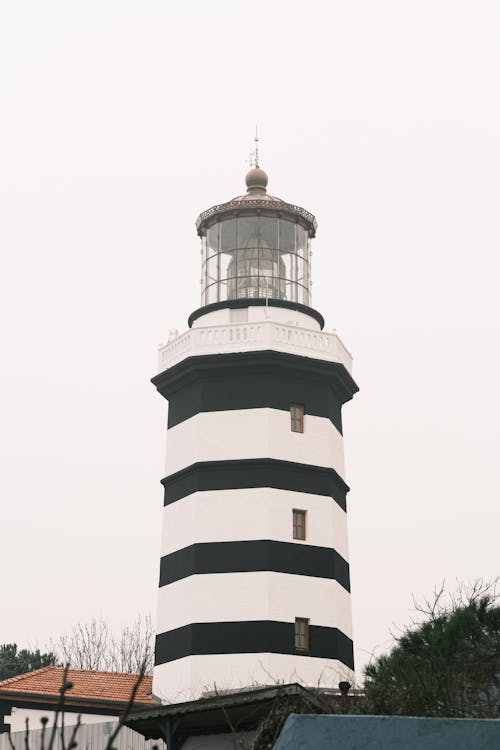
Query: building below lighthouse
(254, 573)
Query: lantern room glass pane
(268, 232)
(213, 239)
(248, 231)
(302, 294)
(270, 263)
(229, 229)
(306, 281)
(212, 269)
(301, 241)
(287, 261)
(225, 260)
(212, 294)
(300, 270)
(287, 236)
(223, 295)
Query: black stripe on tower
(254, 556)
(259, 636)
(254, 473)
(253, 380)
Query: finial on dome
(256, 179)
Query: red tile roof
(88, 684)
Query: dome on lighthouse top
(256, 179)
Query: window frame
(296, 526)
(299, 621)
(297, 418)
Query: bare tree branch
(92, 645)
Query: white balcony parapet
(244, 337)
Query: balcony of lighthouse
(259, 335)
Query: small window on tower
(297, 417)
(299, 524)
(301, 634)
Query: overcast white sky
(120, 121)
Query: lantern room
(256, 246)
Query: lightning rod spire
(256, 139)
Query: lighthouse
(254, 582)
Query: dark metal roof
(243, 709)
(252, 203)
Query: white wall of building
(19, 715)
(188, 678)
(253, 513)
(253, 433)
(90, 737)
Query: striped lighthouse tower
(254, 574)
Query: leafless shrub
(93, 645)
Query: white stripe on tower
(253, 433)
(173, 682)
(217, 597)
(252, 513)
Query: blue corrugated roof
(316, 732)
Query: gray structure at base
(326, 732)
